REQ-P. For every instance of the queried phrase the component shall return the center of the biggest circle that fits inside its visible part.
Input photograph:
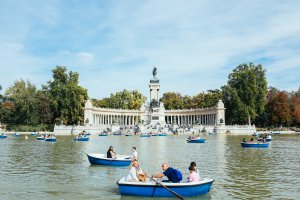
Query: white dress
(132, 174)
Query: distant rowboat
(82, 138)
(16, 135)
(2, 136)
(52, 139)
(255, 145)
(40, 138)
(101, 159)
(196, 140)
(145, 135)
(162, 134)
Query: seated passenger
(193, 164)
(194, 176)
(110, 153)
(134, 171)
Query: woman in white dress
(134, 171)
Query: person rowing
(172, 174)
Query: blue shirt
(171, 174)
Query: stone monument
(157, 109)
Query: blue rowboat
(34, 133)
(88, 134)
(40, 138)
(117, 134)
(16, 135)
(255, 145)
(81, 139)
(101, 159)
(128, 134)
(152, 189)
(102, 134)
(50, 139)
(3, 136)
(275, 132)
(145, 135)
(162, 134)
(196, 140)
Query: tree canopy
(67, 97)
(132, 100)
(22, 103)
(245, 93)
(174, 100)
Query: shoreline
(168, 133)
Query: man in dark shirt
(168, 172)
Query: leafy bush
(30, 128)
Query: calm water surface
(31, 169)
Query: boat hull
(82, 139)
(162, 134)
(144, 135)
(202, 140)
(103, 134)
(152, 189)
(255, 145)
(50, 139)
(100, 159)
(40, 138)
(3, 136)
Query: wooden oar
(173, 192)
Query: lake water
(31, 169)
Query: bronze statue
(154, 72)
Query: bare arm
(158, 176)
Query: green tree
(7, 109)
(22, 95)
(245, 93)
(172, 100)
(67, 97)
(44, 108)
(132, 100)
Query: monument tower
(156, 108)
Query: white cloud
(84, 57)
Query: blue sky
(115, 44)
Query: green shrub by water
(30, 128)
